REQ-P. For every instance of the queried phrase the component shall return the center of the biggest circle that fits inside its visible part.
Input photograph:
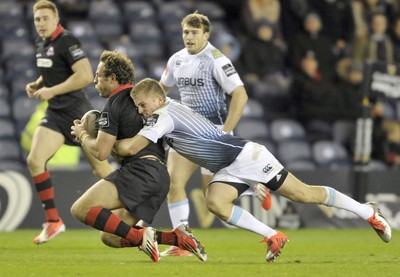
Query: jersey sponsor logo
(229, 69)
(103, 120)
(216, 53)
(43, 62)
(152, 120)
(190, 82)
(76, 52)
(267, 169)
(50, 51)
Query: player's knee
(78, 210)
(33, 163)
(176, 187)
(213, 205)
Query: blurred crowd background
(302, 62)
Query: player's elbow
(102, 155)
(131, 151)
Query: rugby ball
(90, 121)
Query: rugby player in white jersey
(204, 76)
(237, 164)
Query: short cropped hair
(45, 4)
(197, 20)
(148, 86)
(119, 64)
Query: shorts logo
(103, 120)
(152, 120)
(267, 168)
(278, 177)
(76, 52)
(229, 69)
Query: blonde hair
(45, 4)
(197, 20)
(148, 86)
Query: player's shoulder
(213, 52)
(181, 53)
(67, 35)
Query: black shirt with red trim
(54, 59)
(120, 118)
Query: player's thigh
(102, 194)
(180, 169)
(45, 143)
(221, 193)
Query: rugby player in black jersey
(64, 71)
(137, 189)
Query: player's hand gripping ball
(90, 121)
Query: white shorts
(255, 164)
(204, 171)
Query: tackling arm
(130, 146)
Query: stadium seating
(252, 128)
(134, 11)
(7, 128)
(330, 154)
(5, 110)
(287, 129)
(290, 151)
(149, 32)
(253, 109)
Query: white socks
(339, 200)
(245, 220)
(179, 212)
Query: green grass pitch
(231, 252)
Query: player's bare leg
(37, 159)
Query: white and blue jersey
(203, 80)
(193, 136)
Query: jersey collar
(118, 89)
(57, 32)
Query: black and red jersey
(54, 59)
(120, 118)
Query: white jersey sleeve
(225, 73)
(158, 125)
